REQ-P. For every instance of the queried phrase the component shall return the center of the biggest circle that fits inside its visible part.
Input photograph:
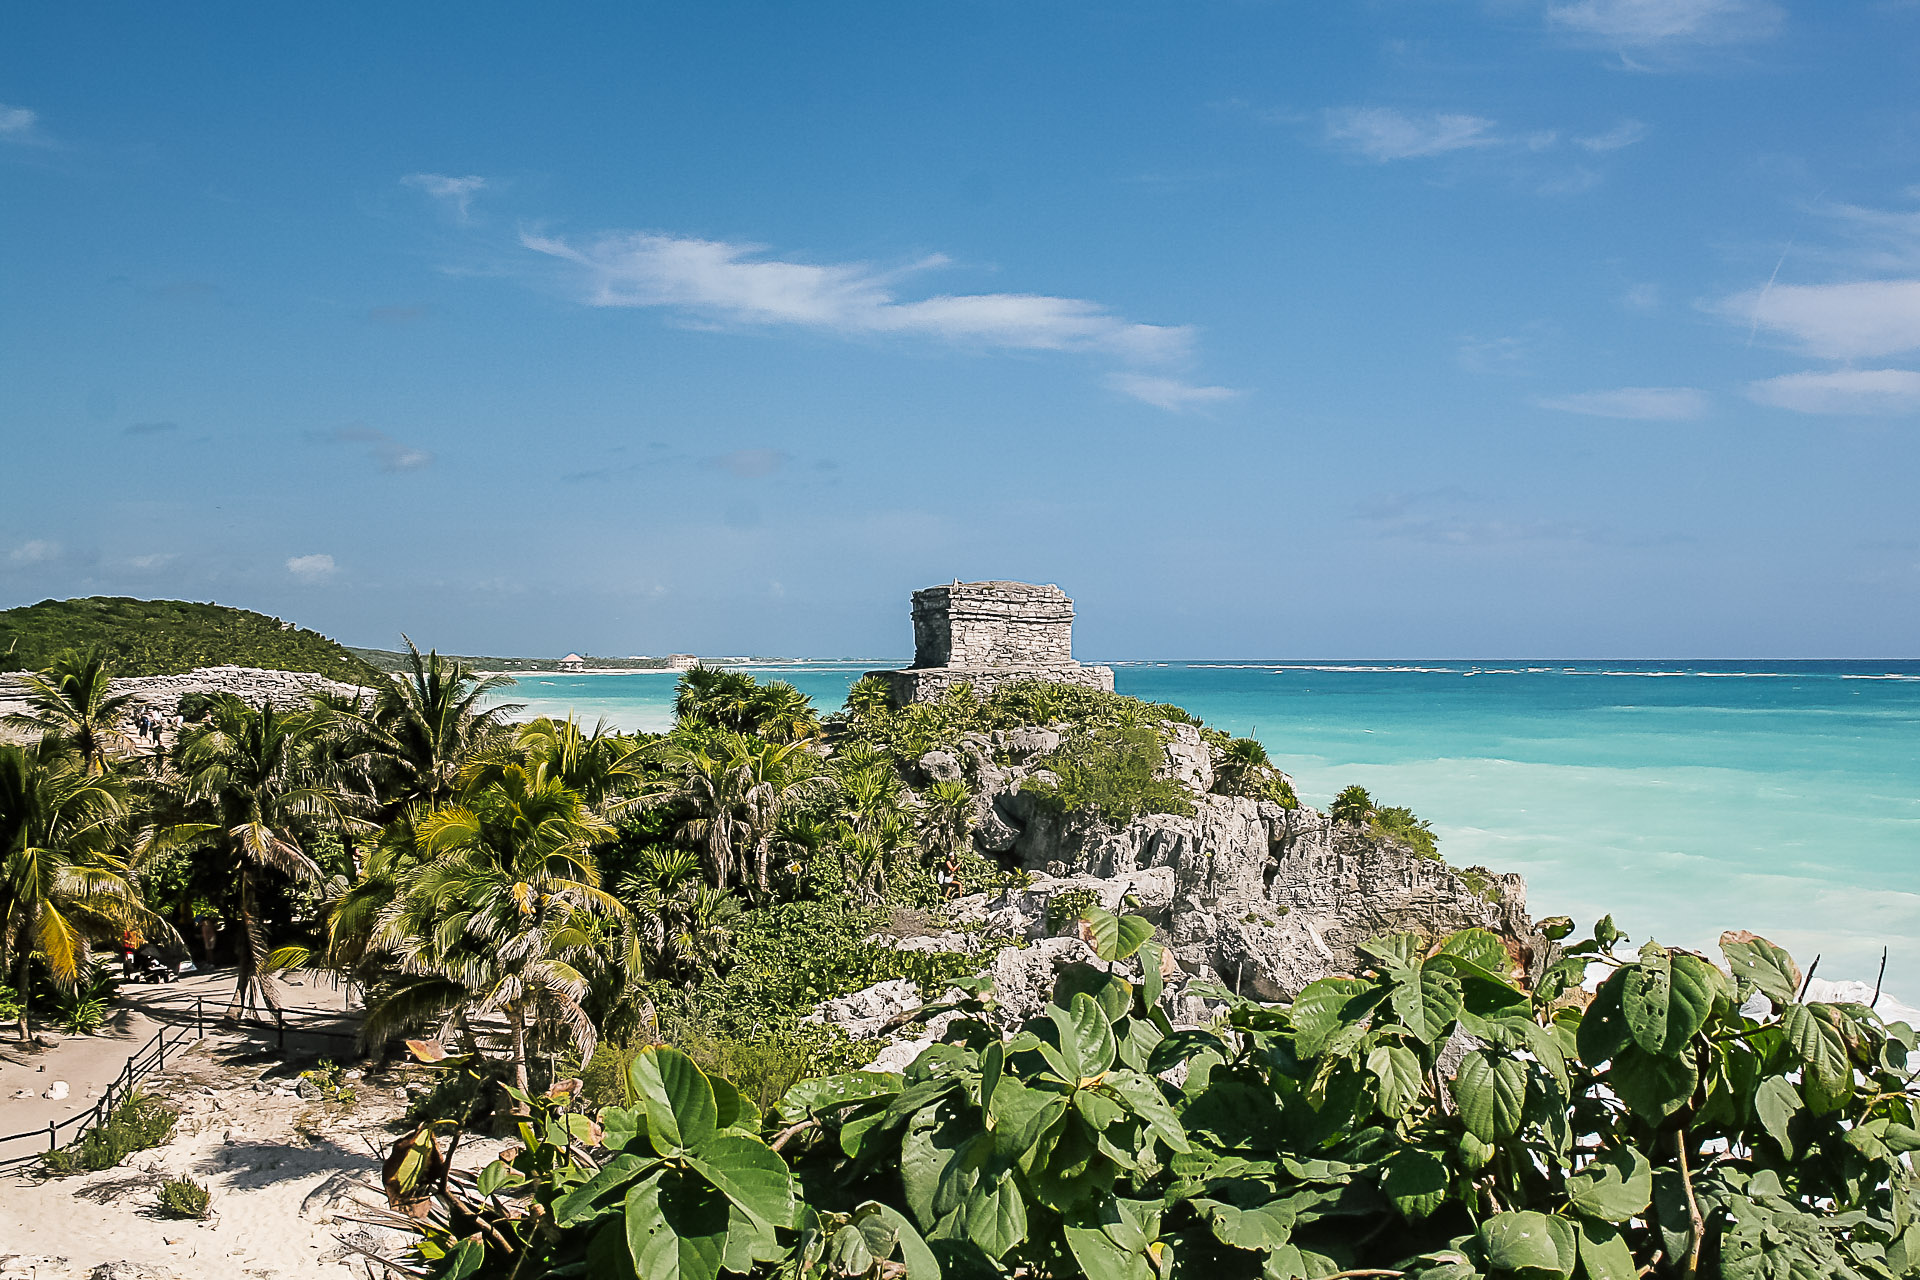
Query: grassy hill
(164, 637)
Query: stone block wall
(992, 624)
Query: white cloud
(458, 192)
(721, 281)
(1168, 393)
(1621, 136)
(1842, 391)
(156, 560)
(312, 568)
(1646, 24)
(36, 551)
(18, 124)
(1849, 321)
(390, 453)
(1645, 404)
(1384, 133)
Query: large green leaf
(1115, 1245)
(1604, 1253)
(749, 1173)
(1323, 1008)
(1666, 998)
(1114, 937)
(1654, 1087)
(1532, 1245)
(1142, 1096)
(1086, 1038)
(1398, 1071)
(1616, 1187)
(1603, 1027)
(1816, 1041)
(828, 1093)
(676, 1229)
(995, 1217)
(1757, 962)
(1480, 948)
(601, 1191)
(1775, 1102)
(1262, 1229)
(1426, 1000)
(1491, 1091)
(913, 1250)
(1415, 1181)
(678, 1100)
(1022, 1117)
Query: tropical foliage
(1443, 1116)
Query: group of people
(149, 723)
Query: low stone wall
(286, 690)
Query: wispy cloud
(722, 282)
(1647, 25)
(314, 568)
(457, 192)
(1386, 133)
(1170, 394)
(34, 551)
(391, 454)
(1621, 136)
(1842, 392)
(1852, 320)
(21, 126)
(1447, 517)
(154, 560)
(1644, 404)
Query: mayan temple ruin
(989, 633)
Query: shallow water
(1684, 797)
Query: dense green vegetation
(609, 943)
(1394, 822)
(165, 637)
(1685, 1120)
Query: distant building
(987, 634)
(573, 662)
(681, 662)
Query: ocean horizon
(1684, 797)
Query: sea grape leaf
(1534, 1246)
(1604, 1253)
(1654, 1087)
(1491, 1090)
(1811, 1034)
(600, 1191)
(1615, 1188)
(1415, 1180)
(1426, 1000)
(1482, 949)
(826, 1093)
(1090, 1036)
(1756, 962)
(1395, 950)
(677, 1098)
(1400, 1077)
(1262, 1229)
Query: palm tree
(603, 766)
(714, 698)
(1241, 762)
(738, 788)
(61, 876)
(72, 702)
(250, 791)
(425, 728)
(685, 926)
(947, 815)
(495, 916)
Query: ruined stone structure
(988, 634)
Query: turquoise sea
(1684, 797)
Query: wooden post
(53, 1137)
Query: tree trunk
(26, 958)
(516, 1018)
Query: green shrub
(1064, 909)
(331, 1079)
(1396, 823)
(139, 1123)
(83, 1017)
(184, 1198)
(1113, 771)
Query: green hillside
(163, 637)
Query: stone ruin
(987, 634)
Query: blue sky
(1416, 327)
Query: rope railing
(145, 1061)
